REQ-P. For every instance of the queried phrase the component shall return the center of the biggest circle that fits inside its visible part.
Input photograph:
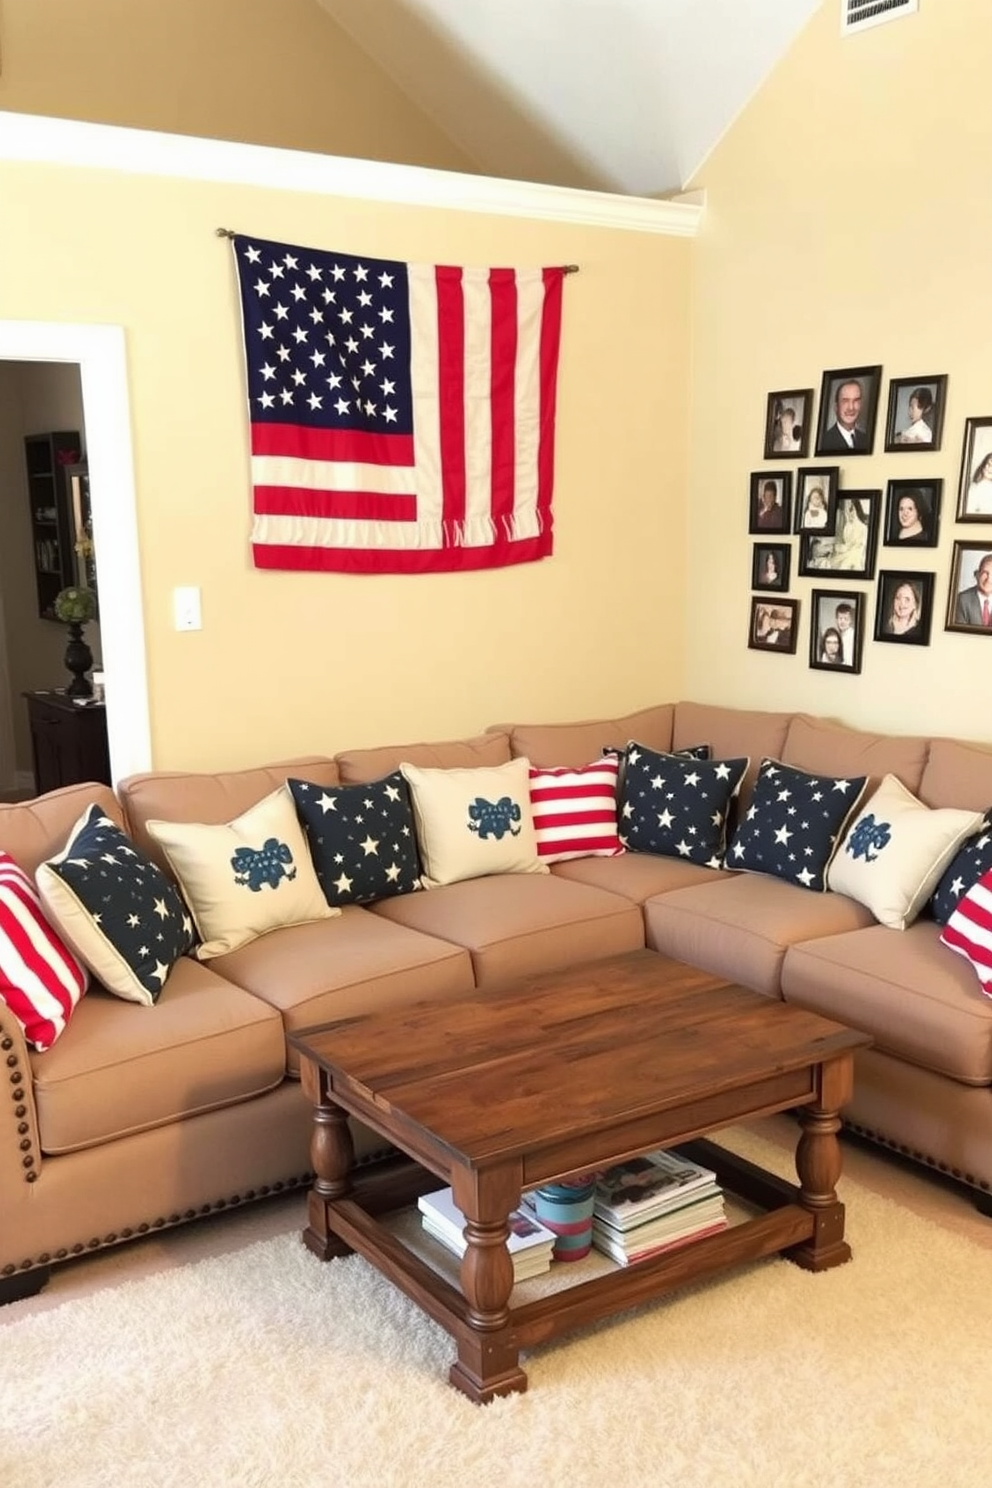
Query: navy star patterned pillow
(794, 823)
(971, 862)
(120, 913)
(676, 806)
(361, 838)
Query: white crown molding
(43, 140)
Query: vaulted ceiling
(626, 96)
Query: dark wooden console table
(68, 741)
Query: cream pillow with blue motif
(246, 876)
(473, 822)
(895, 852)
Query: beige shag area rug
(266, 1367)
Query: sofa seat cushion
(121, 1068)
(639, 876)
(517, 925)
(741, 927)
(356, 963)
(917, 999)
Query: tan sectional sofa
(139, 1118)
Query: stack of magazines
(654, 1203)
(529, 1242)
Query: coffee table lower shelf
(487, 1363)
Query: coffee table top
(497, 1071)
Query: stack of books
(529, 1242)
(654, 1203)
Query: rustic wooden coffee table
(502, 1090)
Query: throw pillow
(676, 805)
(116, 908)
(969, 930)
(362, 838)
(972, 859)
(474, 822)
(40, 979)
(575, 811)
(896, 850)
(245, 876)
(794, 822)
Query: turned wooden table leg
(332, 1157)
(818, 1164)
(488, 1357)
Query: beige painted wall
(847, 224)
(295, 662)
(274, 72)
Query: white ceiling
(626, 96)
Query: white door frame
(100, 353)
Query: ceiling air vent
(858, 15)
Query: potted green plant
(74, 606)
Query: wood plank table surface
(501, 1090)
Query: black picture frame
(892, 599)
(787, 439)
(810, 478)
(915, 420)
(774, 578)
(761, 514)
(774, 626)
(851, 548)
(963, 597)
(975, 480)
(925, 497)
(827, 621)
(829, 441)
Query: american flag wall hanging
(402, 415)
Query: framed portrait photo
(816, 497)
(975, 487)
(969, 594)
(848, 408)
(836, 630)
(770, 566)
(916, 413)
(787, 421)
(912, 513)
(774, 625)
(850, 548)
(771, 501)
(903, 607)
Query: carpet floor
(264, 1366)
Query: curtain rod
(226, 232)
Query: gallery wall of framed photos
(869, 552)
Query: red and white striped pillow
(40, 979)
(575, 811)
(969, 930)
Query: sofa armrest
(20, 1146)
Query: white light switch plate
(186, 608)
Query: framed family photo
(969, 594)
(835, 632)
(912, 513)
(770, 566)
(816, 497)
(848, 409)
(903, 607)
(774, 625)
(771, 501)
(850, 548)
(975, 487)
(916, 413)
(787, 421)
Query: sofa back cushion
(34, 830)
(360, 765)
(731, 732)
(188, 796)
(569, 745)
(957, 773)
(823, 747)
